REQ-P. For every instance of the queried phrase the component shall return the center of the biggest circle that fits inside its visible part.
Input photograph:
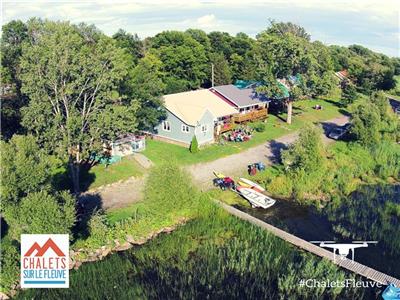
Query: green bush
(259, 127)
(41, 212)
(194, 145)
(9, 264)
(98, 230)
(281, 185)
(387, 158)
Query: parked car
(339, 132)
(347, 126)
(336, 133)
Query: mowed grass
(117, 214)
(100, 175)
(303, 112)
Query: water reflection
(370, 213)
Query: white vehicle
(255, 198)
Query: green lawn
(303, 112)
(117, 214)
(100, 175)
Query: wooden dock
(348, 264)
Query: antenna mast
(212, 75)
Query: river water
(367, 215)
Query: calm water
(365, 216)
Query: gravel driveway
(124, 193)
(267, 153)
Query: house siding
(208, 136)
(176, 133)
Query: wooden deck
(225, 128)
(250, 116)
(348, 264)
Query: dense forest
(66, 88)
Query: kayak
(218, 175)
(252, 184)
(391, 292)
(246, 185)
(255, 198)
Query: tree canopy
(70, 75)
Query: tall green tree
(184, 60)
(131, 43)
(30, 203)
(366, 124)
(147, 88)
(42, 212)
(222, 72)
(71, 82)
(349, 93)
(307, 153)
(25, 168)
(282, 28)
(221, 43)
(14, 34)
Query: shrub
(307, 153)
(9, 264)
(259, 127)
(194, 145)
(41, 212)
(387, 158)
(98, 229)
(281, 185)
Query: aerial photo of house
(200, 150)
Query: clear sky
(371, 23)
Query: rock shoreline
(99, 254)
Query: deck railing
(224, 128)
(250, 116)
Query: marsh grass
(215, 256)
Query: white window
(185, 128)
(166, 126)
(203, 128)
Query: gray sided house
(177, 130)
(194, 113)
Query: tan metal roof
(191, 106)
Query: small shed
(128, 144)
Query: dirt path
(116, 195)
(121, 194)
(267, 153)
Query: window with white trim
(185, 128)
(204, 128)
(166, 126)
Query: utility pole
(212, 75)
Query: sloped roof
(240, 97)
(191, 106)
(342, 74)
(284, 85)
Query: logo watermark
(346, 283)
(44, 261)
